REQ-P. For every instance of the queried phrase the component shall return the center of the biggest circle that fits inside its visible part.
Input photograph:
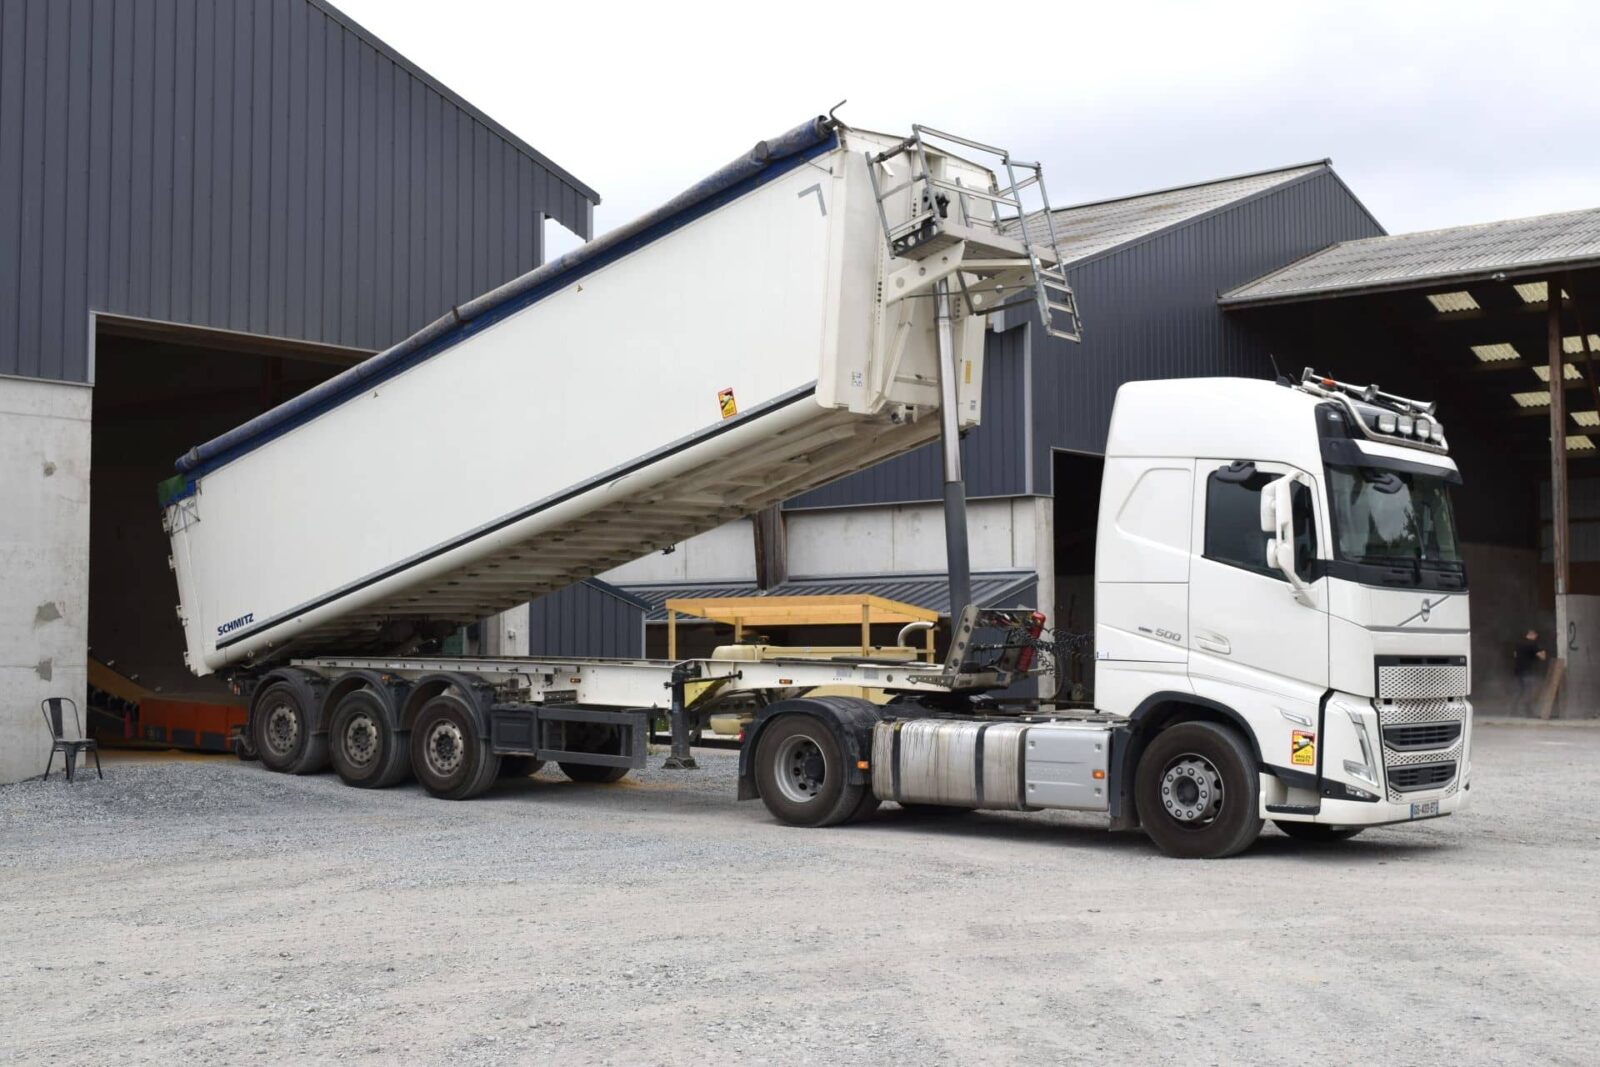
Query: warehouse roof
(451, 95)
(1460, 254)
(1087, 230)
(932, 591)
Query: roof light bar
(1381, 416)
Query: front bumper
(1398, 753)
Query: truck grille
(1420, 776)
(1424, 741)
(1421, 735)
(1402, 679)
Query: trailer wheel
(448, 754)
(1317, 831)
(519, 766)
(280, 729)
(364, 749)
(800, 773)
(1198, 791)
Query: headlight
(1404, 424)
(1386, 424)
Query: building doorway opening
(159, 390)
(1077, 509)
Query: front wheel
(1198, 791)
(801, 775)
(1317, 831)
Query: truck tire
(449, 755)
(800, 773)
(280, 730)
(588, 772)
(1317, 831)
(592, 738)
(867, 806)
(1198, 791)
(519, 766)
(366, 752)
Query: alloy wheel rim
(1191, 790)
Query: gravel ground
(210, 912)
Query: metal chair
(68, 746)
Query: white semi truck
(1281, 606)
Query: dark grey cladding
(266, 166)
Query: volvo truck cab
(1280, 561)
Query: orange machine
(124, 713)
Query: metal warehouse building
(204, 210)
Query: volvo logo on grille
(1426, 610)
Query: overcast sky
(1435, 114)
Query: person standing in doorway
(1526, 657)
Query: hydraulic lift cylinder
(955, 490)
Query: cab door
(1253, 645)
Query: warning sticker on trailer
(726, 402)
(1303, 749)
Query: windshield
(1381, 516)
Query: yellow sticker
(1303, 751)
(725, 401)
(966, 373)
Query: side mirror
(1277, 519)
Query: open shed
(1500, 324)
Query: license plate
(1424, 809)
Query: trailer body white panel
(576, 427)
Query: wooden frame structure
(844, 609)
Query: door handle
(1214, 643)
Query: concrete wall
(1504, 589)
(883, 539)
(726, 554)
(44, 562)
(907, 538)
(1580, 695)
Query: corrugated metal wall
(1150, 311)
(992, 455)
(1150, 308)
(258, 165)
(590, 618)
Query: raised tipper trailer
(810, 309)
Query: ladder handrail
(1053, 293)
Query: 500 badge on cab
(233, 624)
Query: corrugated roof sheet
(995, 589)
(1408, 260)
(1086, 230)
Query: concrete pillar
(44, 562)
